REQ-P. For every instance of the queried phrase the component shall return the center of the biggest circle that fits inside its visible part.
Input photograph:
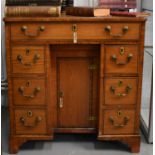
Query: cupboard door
(74, 92)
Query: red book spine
(123, 14)
(118, 3)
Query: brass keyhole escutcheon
(29, 113)
(27, 51)
(27, 83)
(120, 83)
(122, 50)
(119, 113)
(74, 28)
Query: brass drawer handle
(117, 125)
(128, 59)
(28, 64)
(35, 92)
(124, 31)
(24, 29)
(127, 90)
(37, 120)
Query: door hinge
(92, 118)
(92, 66)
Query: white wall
(3, 42)
(147, 4)
(85, 2)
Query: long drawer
(65, 31)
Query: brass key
(74, 29)
(61, 100)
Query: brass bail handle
(37, 120)
(108, 29)
(115, 60)
(24, 29)
(121, 52)
(119, 125)
(35, 92)
(127, 90)
(28, 64)
(74, 29)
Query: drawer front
(41, 31)
(29, 91)
(120, 91)
(68, 31)
(28, 59)
(30, 121)
(119, 121)
(100, 31)
(121, 59)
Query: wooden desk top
(74, 19)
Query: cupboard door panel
(74, 88)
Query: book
(32, 2)
(63, 5)
(129, 14)
(87, 11)
(70, 3)
(32, 11)
(118, 4)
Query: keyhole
(74, 28)
(28, 83)
(29, 113)
(119, 113)
(122, 50)
(27, 51)
(120, 83)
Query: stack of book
(124, 8)
(36, 8)
(118, 4)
